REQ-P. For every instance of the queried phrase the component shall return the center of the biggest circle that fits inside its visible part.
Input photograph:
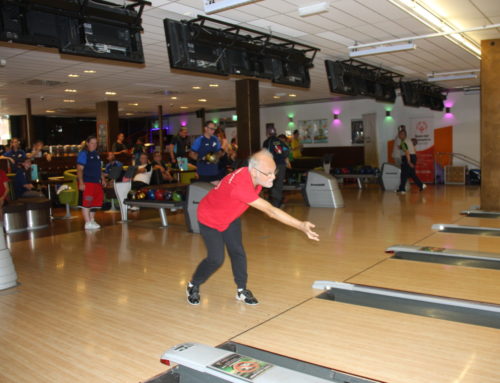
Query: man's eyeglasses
(267, 174)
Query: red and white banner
(422, 130)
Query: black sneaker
(246, 296)
(193, 294)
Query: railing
(438, 169)
(461, 157)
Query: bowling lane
(434, 279)
(463, 242)
(482, 222)
(382, 345)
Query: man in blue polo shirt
(15, 154)
(205, 150)
(90, 181)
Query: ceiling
(141, 88)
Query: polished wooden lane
(435, 279)
(462, 242)
(382, 345)
(482, 222)
(103, 306)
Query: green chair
(69, 197)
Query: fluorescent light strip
(313, 9)
(427, 17)
(452, 73)
(452, 77)
(381, 49)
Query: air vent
(39, 82)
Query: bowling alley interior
(377, 123)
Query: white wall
(465, 119)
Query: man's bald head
(261, 157)
(262, 168)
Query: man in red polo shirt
(218, 215)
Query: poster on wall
(231, 133)
(314, 131)
(422, 130)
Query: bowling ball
(167, 195)
(176, 197)
(159, 195)
(211, 158)
(336, 170)
(344, 171)
(151, 194)
(131, 194)
(140, 195)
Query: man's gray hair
(254, 160)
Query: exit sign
(213, 6)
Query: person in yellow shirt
(296, 145)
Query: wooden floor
(103, 306)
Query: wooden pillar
(490, 125)
(108, 123)
(247, 109)
(29, 125)
(160, 125)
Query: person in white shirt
(408, 163)
(142, 176)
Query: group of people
(20, 163)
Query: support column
(107, 123)
(29, 124)
(490, 125)
(247, 109)
(160, 125)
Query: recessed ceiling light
(202, 100)
(173, 98)
(196, 87)
(50, 111)
(110, 93)
(184, 107)
(276, 96)
(89, 71)
(134, 104)
(129, 114)
(73, 75)
(292, 95)
(68, 100)
(70, 90)
(213, 85)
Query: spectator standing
(280, 152)
(205, 150)
(180, 145)
(90, 181)
(296, 145)
(119, 146)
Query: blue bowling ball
(151, 194)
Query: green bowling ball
(176, 197)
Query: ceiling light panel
(313, 9)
